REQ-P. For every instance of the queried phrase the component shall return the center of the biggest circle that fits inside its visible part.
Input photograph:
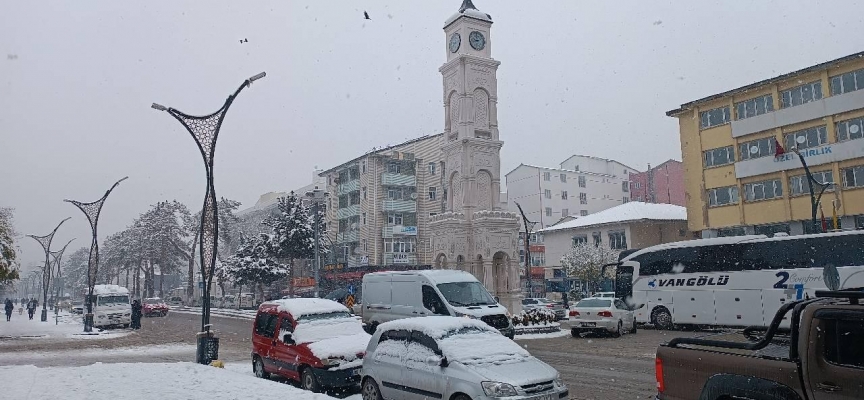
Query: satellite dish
(801, 139)
(853, 128)
(413, 196)
(831, 277)
(754, 149)
(353, 226)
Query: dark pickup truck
(820, 357)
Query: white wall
(560, 242)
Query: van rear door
(407, 299)
(377, 299)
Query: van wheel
(258, 368)
(617, 332)
(308, 380)
(370, 390)
(661, 318)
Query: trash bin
(208, 347)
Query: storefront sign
(405, 230)
(814, 156)
(400, 258)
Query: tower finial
(466, 4)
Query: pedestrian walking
(9, 307)
(136, 314)
(31, 308)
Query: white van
(111, 306)
(389, 296)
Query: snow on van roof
(434, 275)
(109, 289)
(436, 327)
(303, 306)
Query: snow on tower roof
(468, 10)
(632, 211)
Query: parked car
(820, 356)
(557, 308)
(314, 341)
(605, 315)
(389, 296)
(77, 307)
(154, 307)
(175, 301)
(441, 357)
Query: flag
(824, 222)
(778, 149)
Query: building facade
(579, 186)
(662, 184)
(740, 173)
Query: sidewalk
(67, 326)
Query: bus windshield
(113, 300)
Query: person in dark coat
(9, 308)
(136, 314)
(31, 308)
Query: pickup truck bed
(778, 349)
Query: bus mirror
(831, 277)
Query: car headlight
(126, 315)
(465, 316)
(558, 381)
(331, 361)
(498, 389)
(101, 316)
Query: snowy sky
(77, 80)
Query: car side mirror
(497, 300)
(288, 339)
(434, 361)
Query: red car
(314, 341)
(154, 307)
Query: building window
(547, 176)
(848, 82)
(365, 246)
(364, 192)
(394, 168)
(354, 173)
(625, 186)
(563, 195)
(433, 193)
(625, 200)
(598, 238)
(754, 107)
(801, 94)
(583, 212)
(723, 196)
(764, 190)
(431, 168)
(580, 239)
(859, 222)
(721, 156)
(399, 245)
(798, 184)
(853, 177)
(548, 211)
(733, 231)
(565, 212)
(771, 229)
(432, 214)
(394, 194)
(757, 148)
(582, 181)
(547, 193)
(394, 219)
(354, 198)
(617, 241)
(809, 228)
(364, 218)
(637, 185)
(564, 178)
(363, 166)
(851, 129)
(811, 137)
(717, 116)
(583, 198)
(638, 198)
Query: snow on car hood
(482, 348)
(333, 338)
(480, 311)
(528, 370)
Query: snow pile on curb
(67, 326)
(143, 381)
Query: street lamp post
(205, 131)
(92, 211)
(814, 199)
(317, 196)
(45, 241)
(58, 255)
(529, 225)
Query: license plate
(589, 324)
(543, 397)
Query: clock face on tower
(455, 41)
(477, 40)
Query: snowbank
(66, 326)
(143, 381)
(110, 289)
(303, 306)
(437, 327)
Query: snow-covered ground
(560, 333)
(222, 312)
(66, 326)
(93, 355)
(145, 381)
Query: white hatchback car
(453, 358)
(601, 314)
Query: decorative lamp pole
(529, 226)
(58, 255)
(45, 241)
(205, 131)
(814, 199)
(92, 210)
(317, 196)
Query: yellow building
(736, 179)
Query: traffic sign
(350, 289)
(349, 301)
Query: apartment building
(663, 184)
(380, 203)
(579, 186)
(740, 173)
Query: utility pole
(529, 226)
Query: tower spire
(466, 4)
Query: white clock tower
(474, 234)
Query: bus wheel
(661, 318)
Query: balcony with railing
(349, 211)
(348, 187)
(388, 179)
(348, 236)
(399, 206)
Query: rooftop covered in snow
(628, 212)
(468, 10)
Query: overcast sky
(576, 77)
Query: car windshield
(112, 300)
(152, 301)
(594, 303)
(463, 294)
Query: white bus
(735, 281)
